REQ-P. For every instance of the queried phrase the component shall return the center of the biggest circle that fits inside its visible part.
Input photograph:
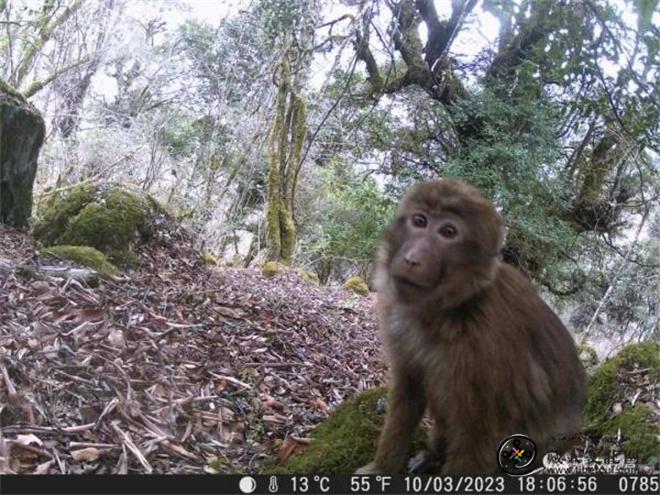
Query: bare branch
(531, 32)
(442, 34)
(363, 52)
(45, 32)
(38, 85)
(432, 73)
(335, 21)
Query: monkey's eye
(419, 220)
(448, 231)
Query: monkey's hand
(370, 468)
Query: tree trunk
(284, 154)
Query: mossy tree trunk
(284, 157)
(21, 136)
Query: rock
(109, 218)
(308, 276)
(84, 255)
(22, 132)
(345, 440)
(272, 268)
(609, 413)
(357, 285)
(209, 259)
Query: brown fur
(473, 343)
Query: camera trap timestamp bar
(321, 484)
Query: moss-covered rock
(639, 430)
(21, 136)
(346, 440)
(209, 259)
(308, 276)
(272, 268)
(84, 255)
(57, 212)
(108, 218)
(111, 225)
(357, 285)
(637, 424)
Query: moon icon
(247, 484)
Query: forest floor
(176, 368)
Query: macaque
(467, 338)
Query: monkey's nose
(411, 260)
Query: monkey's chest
(453, 368)
(419, 351)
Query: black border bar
(597, 484)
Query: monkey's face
(431, 243)
(445, 232)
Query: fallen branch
(128, 442)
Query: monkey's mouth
(407, 284)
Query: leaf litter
(175, 368)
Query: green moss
(59, 210)
(10, 90)
(588, 355)
(110, 229)
(357, 285)
(346, 440)
(272, 268)
(638, 428)
(110, 220)
(604, 390)
(272, 219)
(288, 234)
(209, 259)
(83, 255)
(640, 431)
(309, 276)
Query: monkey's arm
(405, 408)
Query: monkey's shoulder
(513, 296)
(551, 348)
(511, 284)
(516, 293)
